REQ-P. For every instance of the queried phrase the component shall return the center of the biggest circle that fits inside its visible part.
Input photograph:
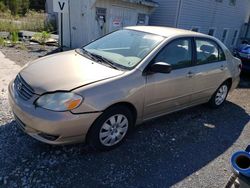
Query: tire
(107, 133)
(220, 95)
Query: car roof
(165, 31)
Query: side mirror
(160, 67)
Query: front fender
(125, 88)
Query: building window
(232, 2)
(195, 29)
(224, 35)
(141, 19)
(235, 36)
(211, 32)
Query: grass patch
(32, 21)
(42, 37)
(2, 41)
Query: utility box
(87, 20)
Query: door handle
(190, 74)
(222, 67)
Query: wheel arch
(128, 105)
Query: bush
(2, 41)
(14, 37)
(2, 7)
(18, 6)
(41, 37)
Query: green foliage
(2, 7)
(7, 26)
(37, 4)
(17, 7)
(42, 37)
(32, 21)
(24, 8)
(14, 37)
(14, 6)
(2, 41)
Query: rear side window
(208, 52)
(177, 53)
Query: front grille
(22, 88)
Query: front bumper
(49, 126)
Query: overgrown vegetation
(2, 41)
(24, 15)
(42, 37)
(21, 7)
(33, 21)
(14, 37)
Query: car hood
(64, 71)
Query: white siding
(204, 14)
(209, 13)
(165, 14)
(80, 25)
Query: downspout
(178, 13)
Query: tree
(14, 6)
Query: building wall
(204, 14)
(165, 14)
(80, 24)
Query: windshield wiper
(84, 52)
(105, 60)
(96, 57)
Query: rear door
(210, 69)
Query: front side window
(125, 48)
(208, 52)
(177, 53)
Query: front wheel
(219, 96)
(111, 128)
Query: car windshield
(123, 48)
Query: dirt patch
(24, 53)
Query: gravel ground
(190, 148)
(22, 54)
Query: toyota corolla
(98, 93)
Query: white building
(87, 20)
(223, 19)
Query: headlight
(61, 101)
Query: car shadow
(159, 153)
(244, 80)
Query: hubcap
(113, 130)
(221, 95)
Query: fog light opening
(48, 137)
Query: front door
(168, 92)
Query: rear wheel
(111, 128)
(220, 95)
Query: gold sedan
(99, 92)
